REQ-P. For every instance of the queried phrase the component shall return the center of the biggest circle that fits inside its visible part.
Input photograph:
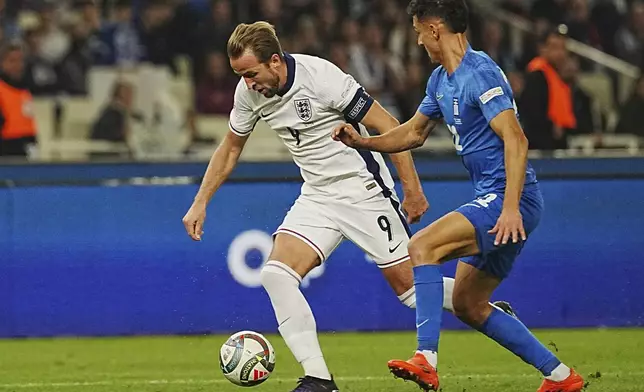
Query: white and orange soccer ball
(247, 359)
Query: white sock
(430, 356)
(409, 297)
(448, 290)
(560, 373)
(295, 318)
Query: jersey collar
(290, 74)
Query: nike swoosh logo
(439, 97)
(396, 247)
(421, 324)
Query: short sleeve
(429, 106)
(343, 93)
(242, 118)
(490, 91)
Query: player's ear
(433, 28)
(275, 61)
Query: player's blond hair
(260, 38)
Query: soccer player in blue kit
(470, 93)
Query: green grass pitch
(468, 363)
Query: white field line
(100, 383)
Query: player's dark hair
(453, 12)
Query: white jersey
(316, 98)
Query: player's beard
(272, 87)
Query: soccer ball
(247, 359)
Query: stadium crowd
(371, 39)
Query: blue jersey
(467, 101)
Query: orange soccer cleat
(418, 370)
(574, 383)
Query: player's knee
(275, 274)
(470, 311)
(423, 251)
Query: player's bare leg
(401, 279)
(451, 237)
(292, 259)
(471, 295)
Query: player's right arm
(222, 163)
(407, 136)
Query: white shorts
(376, 225)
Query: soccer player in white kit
(347, 194)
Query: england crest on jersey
(303, 109)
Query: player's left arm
(492, 93)
(510, 223)
(414, 203)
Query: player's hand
(509, 225)
(194, 220)
(348, 135)
(415, 206)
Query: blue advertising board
(101, 260)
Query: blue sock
(514, 336)
(428, 281)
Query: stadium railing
(598, 84)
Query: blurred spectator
(413, 91)
(580, 26)
(582, 103)
(113, 123)
(216, 92)
(492, 45)
(55, 41)
(368, 65)
(77, 62)
(547, 106)
(16, 104)
(156, 35)
(275, 12)
(554, 11)
(376, 70)
(399, 38)
(607, 19)
(41, 76)
(351, 37)
(184, 22)
(90, 16)
(517, 84)
(338, 55)
(118, 41)
(328, 16)
(308, 41)
(631, 36)
(212, 35)
(516, 7)
(632, 112)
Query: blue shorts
(483, 214)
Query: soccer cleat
(574, 383)
(313, 384)
(506, 307)
(418, 370)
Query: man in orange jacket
(17, 124)
(546, 105)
